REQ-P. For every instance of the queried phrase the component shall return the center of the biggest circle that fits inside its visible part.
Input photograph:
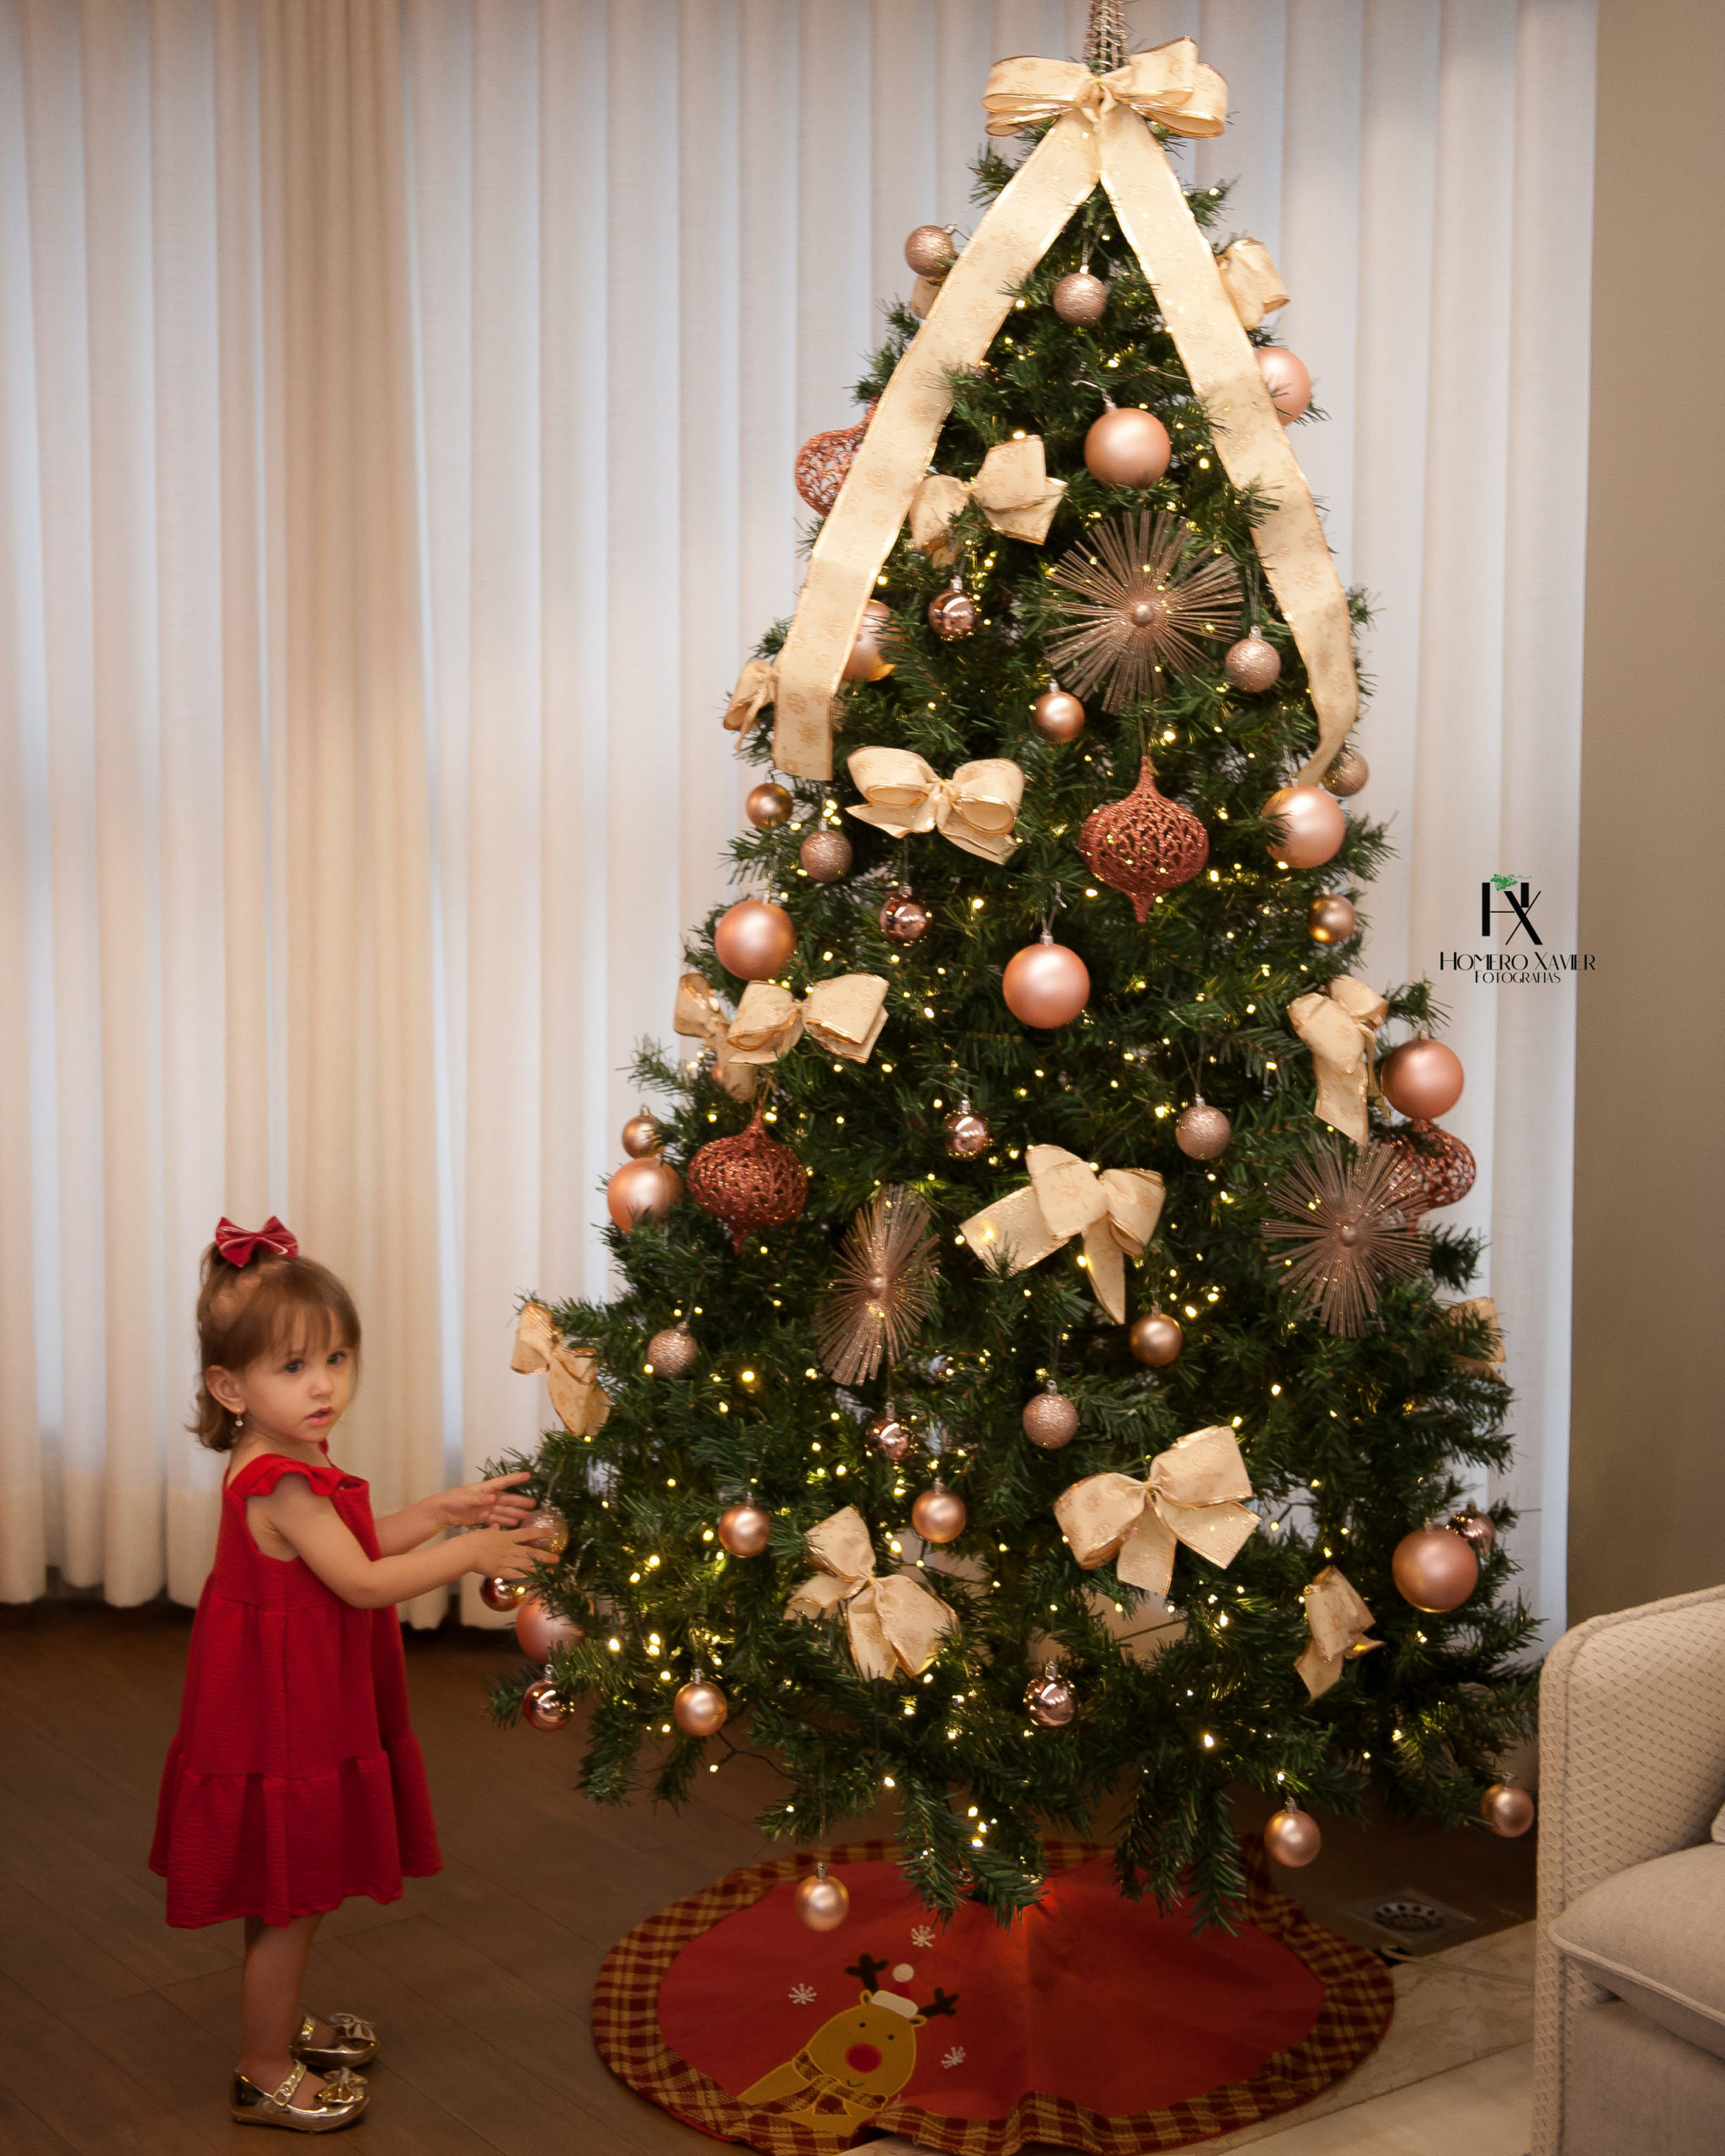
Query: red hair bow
(240, 1245)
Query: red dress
(294, 1779)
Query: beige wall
(1647, 1490)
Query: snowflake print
(922, 1934)
(955, 2057)
(802, 1994)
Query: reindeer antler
(867, 1971)
(944, 2003)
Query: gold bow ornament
(1191, 1495)
(1339, 1024)
(1252, 281)
(1338, 1622)
(844, 1016)
(1013, 490)
(1102, 134)
(975, 808)
(700, 1015)
(757, 686)
(1115, 1212)
(895, 1624)
(581, 1403)
(1480, 1306)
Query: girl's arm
(493, 1503)
(312, 1528)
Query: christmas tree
(1034, 1407)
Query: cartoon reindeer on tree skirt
(855, 2062)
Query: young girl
(294, 1780)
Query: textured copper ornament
(1445, 1166)
(1352, 1214)
(1291, 1836)
(966, 1133)
(823, 460)
(1080, 298)
(879, 1295)
(1050, 1698)
(541, 1708)
(550, 1530)
(745, 1529)
(939, 1515)
(749, 1182)
(1144, 594)
(954, 613)
(826, 855)
(1145, 844)
(1349, 773)
(929, 252)
(887, 1438)
(904, 918)
(672, 1352)
(1254, 664)
(822, 1902)
(1050, 1420)
(1202, 1132)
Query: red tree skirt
(1094, 2023)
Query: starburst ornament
(1143, 596)
(1353, 1214)
(880, 1293)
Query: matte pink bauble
(939, 1515)
(745, 1529)
(642, 1135)
(1287, 380)
(1045, 985)
(643, 1190)
(1126, 447)
(1507, 1809)
(700, 1709)
(1331, 919)
(541, 1631)
(1156, 1339)
(768, 805)
(1421, 1078)
(1313, 826)
(868, 660)
(821, 1902)
(754, 940)
(1435, 1569)
(1057, 716)
(1292, 1837)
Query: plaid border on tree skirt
(1359, 2000)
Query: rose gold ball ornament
(939, 1515)
(868, 660)
(929, 252)
(749, 1182)
(539, 1631)
(966, 1132)
(1332, 918)
(768, 805)
(1045, 985)
(672, 1352)
(1050, 1698)
(542, 1706)
(1349, 773)
(1291, 1836)
(1155, 1339)
(1507, 1808)
(700, 1709)
(1423, 1078)
(753, 940)
(1126, 447)
(1254, 664)
(642, 1190)
(504, 1595)
(1480, 1528)
(1143, 843)
(1050, 1420)
(1286, 379)
(1080, 298)
(1435, 1569)
(887, 1438)
(954, 613)
(904, 918)
(821, 1902)
(825, 855)
(1445, 1167)
(1057, 715)
(1202, 1132)
(642, 1135)
(1313, 826)
(745, 1528)
(552, 1530)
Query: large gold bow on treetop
(571, 1374)
(1115, 1212)
(844, 1016)
(1338, 1622)
(1013, 490)
(700, 1015)
(1191, 1495)
(975, 808)
(894, 1623)
(1339, 1024)
(1100, 134)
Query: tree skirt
(1094, 2023)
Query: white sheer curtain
(397, 400)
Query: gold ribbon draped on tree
(757, 686)
(844, 1016)
(1338, 1622)
(1192, 1495)
(1013, 490)
(571, 1374)
(1100, 134)
(1340, 1025)
(1115, 1212)
(975, 808)
(894, 1623)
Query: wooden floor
(117, 2034)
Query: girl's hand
(493, 1503)
(503, 1552)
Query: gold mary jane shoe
(341, 2099)
(356, 2043)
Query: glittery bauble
(542, 1707)
(1057, 716)
(868, 660)
(1423, 1078)
(1050, 1420)
(929, 252)
(904, 918)
(1045, 985)
(642, 1135)
(825, 855)
(1155, 1339)
(889, 1438)
(1480, 1528)
(549, 1528)
(1311, 827)
(1051, 1699)
(1080, 298)
(1349, 773)
(1143, 844)
(822, 1902)
(1287, 380)
(953, 614)
(1331, 919)
(1291, 1836)
(540, 1631)
(1507, 1809)
(1126, 447)
(824, 460)
(749, 1182)
(1254, 664)
(643, 1189)
(745, 1529)
(1202, 1132)
(700, 1709)
(967, 1132)
(1445, 1166)
(503, 1595)
(939, 1515)
(753, 940)
(672, 1353)
(768, 805)
(1435, 1569)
